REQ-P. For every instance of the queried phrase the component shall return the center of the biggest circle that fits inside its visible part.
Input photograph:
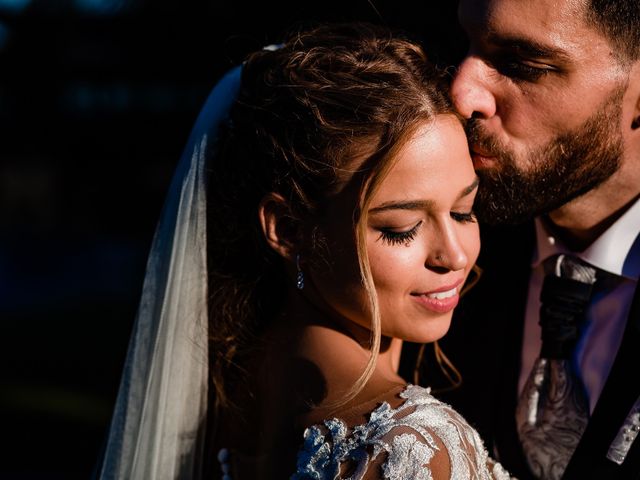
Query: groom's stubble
(569, 165)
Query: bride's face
(421, 236)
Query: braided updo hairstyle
(304, 113)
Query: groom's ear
(634, 85)
(281, 229)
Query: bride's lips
(441, 300)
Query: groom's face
(545, 93)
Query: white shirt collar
(616, 251)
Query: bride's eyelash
(464, 217)
(399, 238)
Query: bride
(321, 215)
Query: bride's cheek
(472, 244)
(391, 264)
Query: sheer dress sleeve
(423, 439)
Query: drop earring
(300, 274)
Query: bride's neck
(333, 350)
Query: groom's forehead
(545, 27)
(493, 14)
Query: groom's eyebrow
(419, 204)
(526, 47)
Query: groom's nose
(471, 91)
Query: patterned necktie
(552, 411)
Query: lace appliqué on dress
(405, 435)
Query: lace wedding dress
(395, 444)
(407, 438)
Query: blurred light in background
(89, 7)
(103, 7)
(13, 6)
(5, 33)
(88, 99)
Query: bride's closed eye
(392, 236)
(464, 217)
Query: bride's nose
(446, 251)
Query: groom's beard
(568, 166)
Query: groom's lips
(481, 158)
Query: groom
(552, 91)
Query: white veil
(157, 428)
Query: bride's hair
(305, 112)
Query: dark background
(96, 101)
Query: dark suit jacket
(484, 344)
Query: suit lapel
(620, 392)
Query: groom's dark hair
(619, 21)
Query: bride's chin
(427, 330)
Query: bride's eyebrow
(419, 204)
(408, 205)
(466, 191)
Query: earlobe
(279, 226)
(634, 81)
